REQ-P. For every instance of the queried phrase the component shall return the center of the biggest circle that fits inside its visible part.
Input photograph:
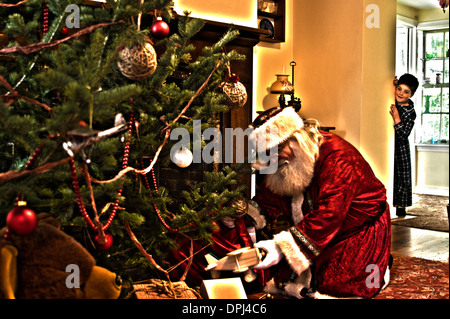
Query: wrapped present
(163, 289)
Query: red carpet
(417, 278)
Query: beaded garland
(76, 186)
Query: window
(435, 87)
(404, 49)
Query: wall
(376, 127)
(430, 180)
(273, 58)
(432, 15)
(328, 52)
(346, 71)
(231, 11)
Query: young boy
(403, 115)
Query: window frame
(422, 31)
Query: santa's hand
(273, 256)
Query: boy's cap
(409, 80)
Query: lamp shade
(282, 85)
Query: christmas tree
(89, 97)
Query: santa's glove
(273, 254)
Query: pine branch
(139, 246)
(4, 177)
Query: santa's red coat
(345, 233)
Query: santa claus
(323, 213)
(321, 217)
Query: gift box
(163, 289)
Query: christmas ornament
(160, 29)
(137, 62)
(182, 158)
(21, 220)
(83, 137)
(234, 90)
(65, 31)
(108, 241)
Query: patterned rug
(417, 278)
(430, 211)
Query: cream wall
(273, 58)
(376, 126)
(239, 12)
(432, 15)
(346, 72)
(328, 51)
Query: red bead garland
(155, 185)
(45, 22)
(76, 186)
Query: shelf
(434, 59)
(434, 85)
(269, 15)
(277, 20)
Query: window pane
(434, 45)
(431, 128)
(446, 51)
(402, 50)
(446, 71)
(434, 67)
(431, 100)
(445, 100)
(444, 129)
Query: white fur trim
(296, 259)
(277, 129)
(296, 205)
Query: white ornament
(182, 158)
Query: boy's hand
(395, 82)
(395, 115)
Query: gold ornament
(138, 62)
(234, 90)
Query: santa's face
(285, 152)
(295, 170)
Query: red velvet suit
(346, 226)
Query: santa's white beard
(293, 177)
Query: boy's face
(403, 93)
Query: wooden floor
(415, 242)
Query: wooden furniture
(276, 16)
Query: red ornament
(21, 220)
(107, 243)
(160, 29)
(65, 31)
